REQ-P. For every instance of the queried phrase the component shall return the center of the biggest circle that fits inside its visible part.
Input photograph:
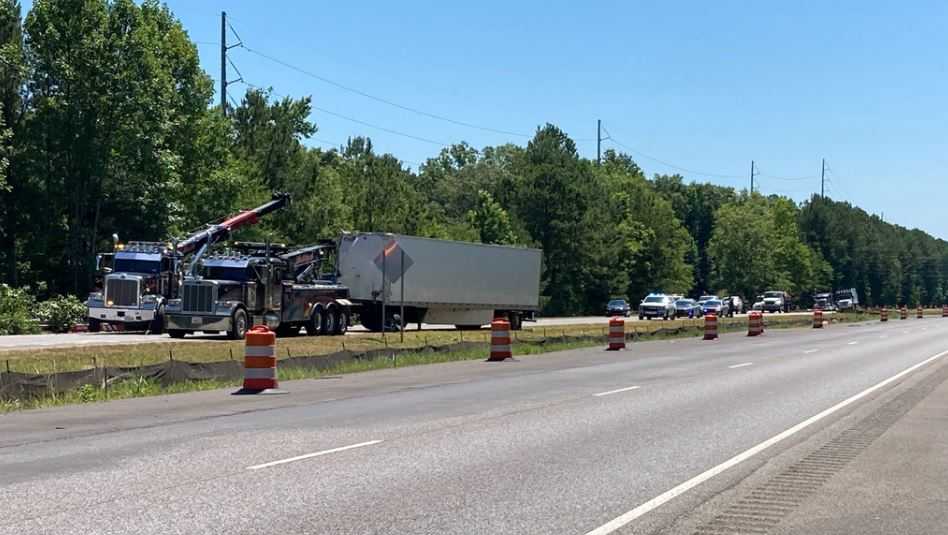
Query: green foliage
(490, 220)
(61, 313)
(16, 311)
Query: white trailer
(445, 282)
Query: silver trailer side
(446, 282)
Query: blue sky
(705, 86)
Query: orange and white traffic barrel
(944, 311)
(710, 327)
(616, 334)
(260, 363)
(755, 324)
(817, 319)
(499, 340)
(883, 314)
(920, 312)
(903, 313)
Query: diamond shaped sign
(390, 261)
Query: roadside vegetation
(410, 353)
(156, 157)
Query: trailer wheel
(94, 325)
(175, 333)
(315, 324)
(238, 325)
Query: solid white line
(311, 455)
(624, 519)
(808, 351)
(599, 395)
(854, 342)
(741, 365)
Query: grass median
(418, 348)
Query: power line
(380, 99)
(669, 164)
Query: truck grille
(198, 298)
(121, 292)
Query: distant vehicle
(704, 298)
(824, 301)
(735, 305)
(657, 306)
(618, 307)
(686, 308)
(776, 301)
(715, 306)
(759, 303)
(847, 299)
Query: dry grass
(51, 360)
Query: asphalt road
(49, 340)
(564, 443)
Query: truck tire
(238, 325)
(175, 333)
(315, 324)
(342, 321)
(157, 325)
(94, 325)
(329, 321)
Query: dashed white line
(624, 519)
(854, 342)
(311, 455)
(599, 395)
(808, 351)
(741, 365)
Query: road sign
(389, 261)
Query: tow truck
(136, 280)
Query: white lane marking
(599, 395)
(854, 342)
(741, 365)
(883, 337)
(656, 502)
(311, 455)
(808, 351)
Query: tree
(490, 220)
(740, 248)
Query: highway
(50, 340)
(664, 437)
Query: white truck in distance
(445, 282)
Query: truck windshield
(654, 299)
(773, 294)
(129, 265)
(226, 273)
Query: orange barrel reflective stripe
(755, 324)
(883, 314)
(499, 340)
(616, 334)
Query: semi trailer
(136, 280)
(436, 281)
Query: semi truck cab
(133, 288)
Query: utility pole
(224, 49)
(823, 180)
(224, 62)
(598, 141)
(752, 177)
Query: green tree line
(107, 126)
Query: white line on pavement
(599, 395)
(741, 365)
(854, 342)
(311, 455)
(656, 502)
(808, 351)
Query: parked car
(618, 307)
(735, 305)
(686, 308)
(776, 301)
(704, 298)
(715, 306)
(656, 306)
